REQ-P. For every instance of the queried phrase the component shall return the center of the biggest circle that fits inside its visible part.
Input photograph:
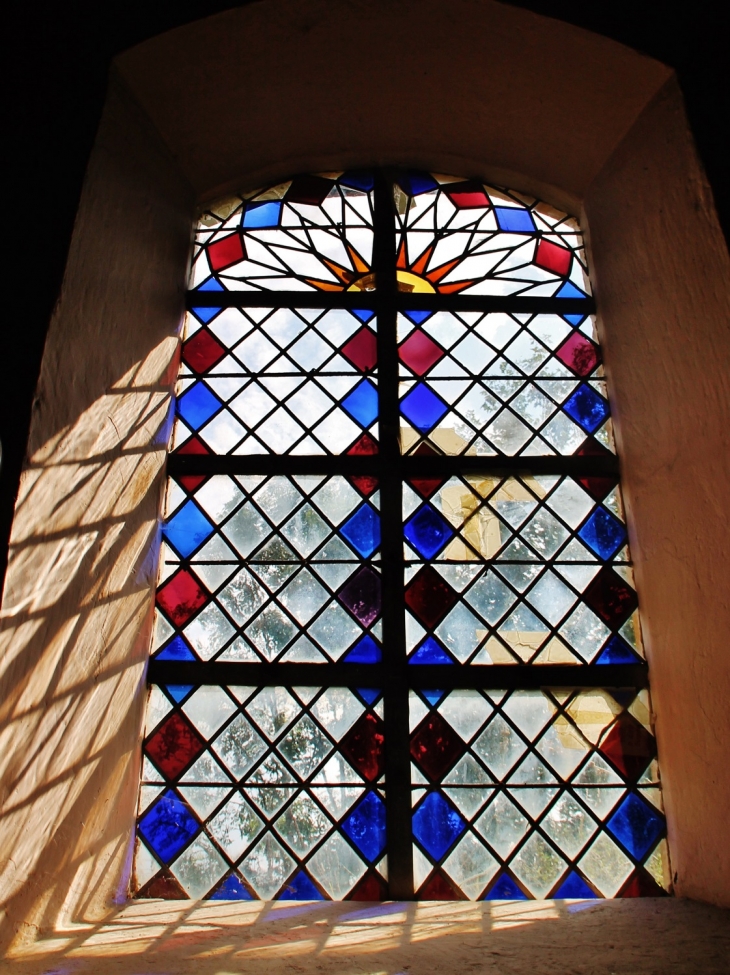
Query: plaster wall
(261, 92)
(661, 275)
(77, 601)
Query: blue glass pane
(362, 531)
(366, 826)
(433, 697)
(587, 408)
(573, 887)
(418, 316)
(368, 694)
(231, 890)
(603, 533)
(187, 529)
(505, 889)
(422, 408)
(574, 319)
(415, 182)
(617, 651)
(198, 405)
(358, 180)
(437, 825)
(178, 691)
(168, 826)
(427, 531)
(262, 214)
(362, 403)
(363, 314)
(176, 649)
(637, 825)
(365, 652)
(514, 220)
(430, 652)
(570, 291)
(211, 284)
(206, 314)
(300, 888)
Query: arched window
(397, 650)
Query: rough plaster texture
(638, 937)
(662, 281)
(77, 599)
(79, 586)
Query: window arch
(392, 471)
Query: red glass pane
(419, 352)
(467, 195)
(365, 484)
(430, 597)
(165, 887)
(362, 349)
(174, 745)
(579, 354)
(592, 448)
(202, 351)
(181, 597)
(598, 487)
(225, 252)
(309, 189)
(363, 445)
(372, 887)
(439, 888)
(362, 746)
(610, 597)
(426, 485)
(191, 481)
(193, 446)
(629, 746)
(552, 257)
(642, 884)
(435, 745)
(425, 450)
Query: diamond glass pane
(497, 384)
(530, 569)
(528, 794)
(258, 568)
(280, 797)
(311, 233)
(279, 381)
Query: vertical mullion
(397, 763)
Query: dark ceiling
(59, 55)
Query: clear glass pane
(528, 794)
(297, 808)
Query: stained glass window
(396, 647)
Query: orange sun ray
(324, 285)
(450, 289)
(358, 263)
(420, 266)
(440, 272)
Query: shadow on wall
(75, 631)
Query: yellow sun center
(413, 283)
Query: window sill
(218, 938)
